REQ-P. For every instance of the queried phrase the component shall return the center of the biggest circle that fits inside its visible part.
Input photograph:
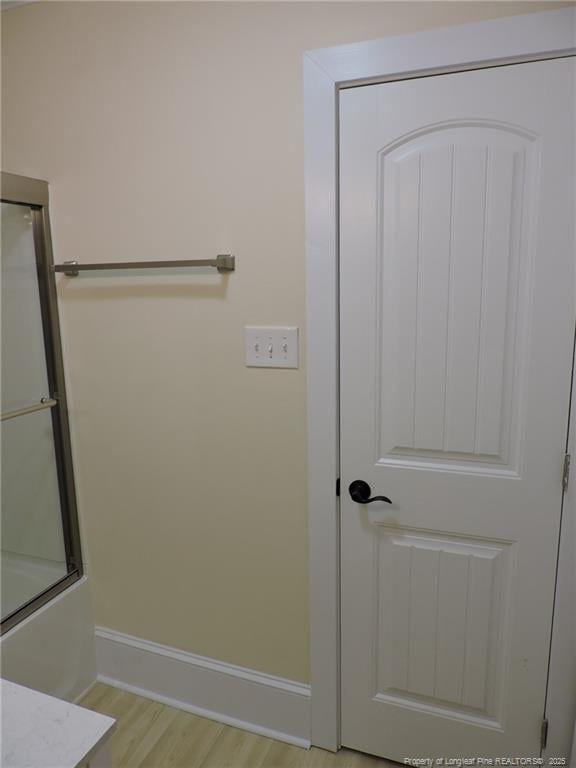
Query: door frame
(510, 40)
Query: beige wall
(174, 130)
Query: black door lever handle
(360, 491)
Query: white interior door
(456, 331)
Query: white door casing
(456, 283)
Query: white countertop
(40, 731)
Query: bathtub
(52, 650)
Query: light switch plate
(274, 346)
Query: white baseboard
(254, 701)
(78, 698)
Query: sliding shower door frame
(34, 193)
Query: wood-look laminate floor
(152, 735)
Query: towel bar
(223, 263)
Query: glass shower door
(36, 539)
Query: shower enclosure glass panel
(33, 553)
(39, 543)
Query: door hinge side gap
(566, 472)
(544, 733)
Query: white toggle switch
(272, 346)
